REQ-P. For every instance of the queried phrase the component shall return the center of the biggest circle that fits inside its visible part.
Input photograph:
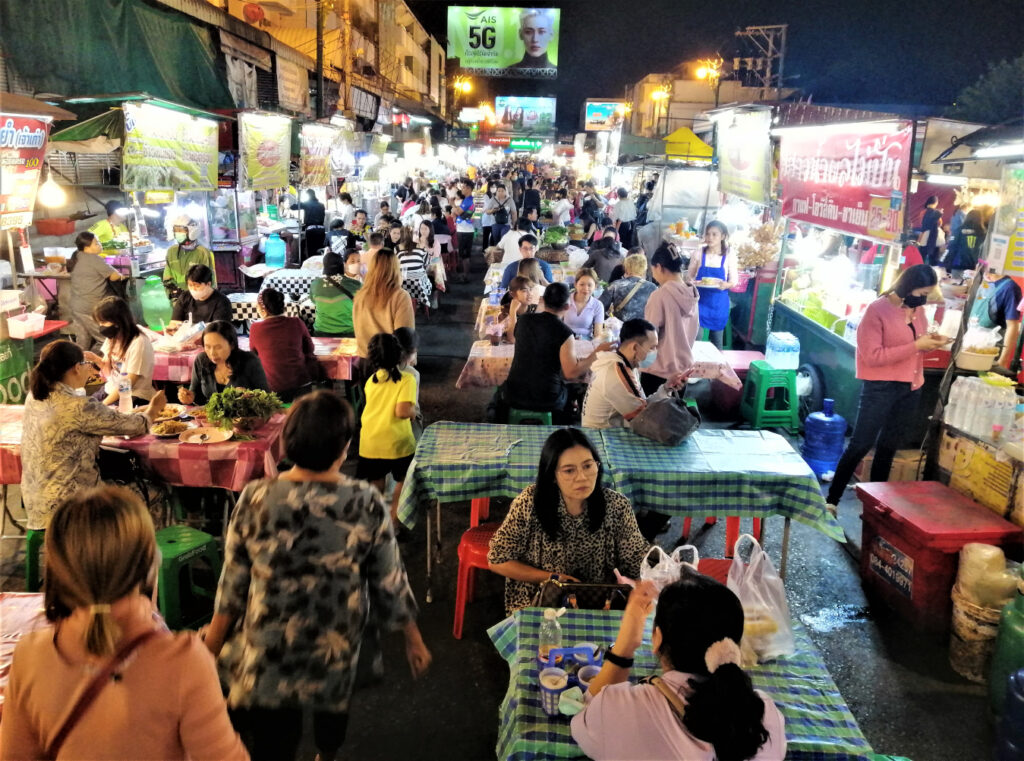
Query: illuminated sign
(505, 42)
(520, 114)
(525, 144)
(602, 115)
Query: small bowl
(969, 360)
(582, 659)
(585, 675)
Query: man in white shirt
(560, 211)
(624, 216)
(509, 242)
(501, 207)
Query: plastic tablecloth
(335, 354)
(20, 613)
(819, 724)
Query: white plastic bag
(767, 629)
(662, 569)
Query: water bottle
(954, 403)
(783, 351)
(1009, 653)
(550, 634)
(275, 249)
(824, 440)
(124, 390)
(1010, 734)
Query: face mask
(647, 361)
(914, 301)
(108, 331)
(181, 237)
(201, 294)
(78, 391)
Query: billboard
(524, 114)
(505, 42)
(602, 115)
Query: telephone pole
(319, 59)
(770, 42)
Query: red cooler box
(911, 536)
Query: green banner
(505, 42)
(14, 368)
(265, 148)
(167, 150)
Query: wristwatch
(617, 660)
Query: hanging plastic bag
(661, 569)
(767, 629)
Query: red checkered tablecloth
(20, 613)
(175, 367)
(227, 465)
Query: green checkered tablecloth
(750, 474)
(818, 723)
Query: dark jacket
(217, 307)
(246, 372)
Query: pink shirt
(672, 309)
(885, 344)
(634, 721)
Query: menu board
(22, 148)
(167, 150)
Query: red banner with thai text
(849, 177)
(22, 148)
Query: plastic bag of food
(662, 569)
(767, 628)
(979, 340)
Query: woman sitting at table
(202, 302)
(702, 707)
(566, 525)
(125, 345)
(381, 306)
(283, 346)
(514, 303)
(222, 364)
(333, 294)
(585, 316)
(62, 430)
(162, 701)
(307, 555)
(672, 309)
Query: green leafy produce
(233, 403)
(555, 235)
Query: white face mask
(78, 391)
(201, 294)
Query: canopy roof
(23, 104)
(683, 143)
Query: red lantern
(253, 13)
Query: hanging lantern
(253, 13)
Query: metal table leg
(429, 597)
(785, 549)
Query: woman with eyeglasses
(565, 525)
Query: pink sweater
(885, 344)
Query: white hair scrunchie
(722, 652)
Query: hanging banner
(315, 144)
(167, 150)
(292, 86)
(265, 147)
(849, 177)
(22, 148)
(378, 147)
(1006, 245)
(744, 155)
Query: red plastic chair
(732, 531)
(480, 510)
(473, 549)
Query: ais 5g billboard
(505, 42)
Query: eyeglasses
(589, 469)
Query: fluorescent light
(1001, 151)
(946, 179)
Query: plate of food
(709, 282)
(170, 411)
(205, 435)
(168, 429)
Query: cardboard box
(982, 472)
(904, 466)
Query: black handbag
(123, 466)
(577, 595)
(668, 421)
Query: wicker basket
(494, 254)
(552, 255)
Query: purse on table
(581, 596)
(668, 421)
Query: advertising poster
(1006, 247)
(849, 178)
(521, 114)
(22, 148)
(505, 42)
(167, 150)
(744, 155)
(602, 115)
(315, 144)
(265, 148)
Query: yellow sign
(744, 150)
(154, 197)
(167, 150)
(265, 149)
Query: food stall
(685, 195)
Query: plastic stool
(716, 568)
(179, 547)
(528, 417)
(33, 543)
(479, 510)
(769, 398)
(473, 549)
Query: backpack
(501, 214)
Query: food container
(969, 360)
(952, 291)
(56, 226)
(23, 325)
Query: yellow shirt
(106, 231)
(384, 436)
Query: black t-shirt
(535, 381)
(531, 199)
(217, 307)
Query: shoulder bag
(577, 595)
(616, 309)
(677, 706)
(667, 421)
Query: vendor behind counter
(185, 254)
(107, 229)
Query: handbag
(92, 691)
(578, 595)
(668, 421)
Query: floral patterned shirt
(589, 556)
(304, 566)
(60, 440)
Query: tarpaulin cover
(75, 48)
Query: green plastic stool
(769, 398)
(180, 547)
(528, 417)
(726, 335)
(33, 544)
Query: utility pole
(319, 59)
(770, 42)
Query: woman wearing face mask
(124, 345)
(90, 275)
(183, 254)
(333, 294)
(202, 302)
(62, 430)
(222, 364)
(892, 339)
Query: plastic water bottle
(1010, 734)
(550, 634)
(954, 403)
(783, 351)
(824, 440)
(124, 390)
(275, 251)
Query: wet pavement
(896, 681)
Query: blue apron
(713, 308)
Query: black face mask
(108, 331)
(914, 301)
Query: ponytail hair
(385, 353)
(54, 361)
(693, 614)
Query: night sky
(858, 51)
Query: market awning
(635, 145)
(683, 143)
(23, 104)
(101, 134)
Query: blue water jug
(1010, 735)
(156, 309)
(824, 439)
(275, 251)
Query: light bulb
(51, 194)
